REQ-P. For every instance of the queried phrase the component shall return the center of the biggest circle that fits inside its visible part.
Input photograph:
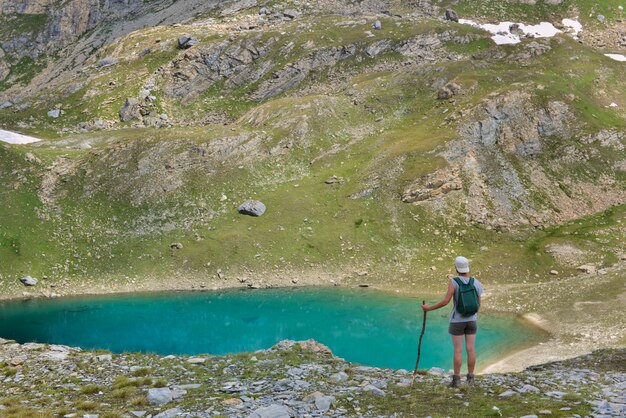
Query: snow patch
(573, 26)
(616, 57)
(502, 35)
(15, 138)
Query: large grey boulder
(159, 396)
(252, 208)
(28, 281)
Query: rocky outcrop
(189, 76)
(497, 172)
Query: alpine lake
(360, 325)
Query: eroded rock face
(515, 125)
(497, 173)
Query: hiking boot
(470, 380)
(456, 381)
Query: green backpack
(467, 303)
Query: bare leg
(471, 353)
(457, 341)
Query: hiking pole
(419, 346)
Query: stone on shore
(272, 411)
(170, 413)
(28, 281)
(159, 396)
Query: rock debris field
(291, 379)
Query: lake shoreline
(506, 362)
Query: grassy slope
(100, 238)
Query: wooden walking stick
(419, 346)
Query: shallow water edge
(494, 356)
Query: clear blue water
(362, 326)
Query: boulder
(176, 246)
(451, 15)
(322, 403)
(55, 113)
(159, 396)
(376, 391)
(252, 208)
(339, 377)
(170, 413)
(186, 42)
(131, 110)
(291, 14)
(444, 93)
(448, 91)
(272, 411)
(28, 281)
(377, 25)
(586, 269)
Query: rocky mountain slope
(382, 138)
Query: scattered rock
(170, 413)
(507, 394)
(252, 208)
(601, 18)
(376, 391)
(436, 371)
(176, 246)
(107, 62)
(323, 403)
(586, 268)
(28, 281)
(334, 180)
(159, 396)
(232, 401)
(131, 110)
(451, 15)
(186, 42)
(339, 377)
(272, 411)
(55, 113)
(554, 273)
(291, 14)
(196, 360)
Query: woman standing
(466, 292)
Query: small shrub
(90, 389)
(87, 406)
(160, 383)
(144, 371)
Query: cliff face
(38, 27)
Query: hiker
(466, 292)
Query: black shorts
(463, 328)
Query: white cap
(461, 264)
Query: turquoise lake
(360, 325)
